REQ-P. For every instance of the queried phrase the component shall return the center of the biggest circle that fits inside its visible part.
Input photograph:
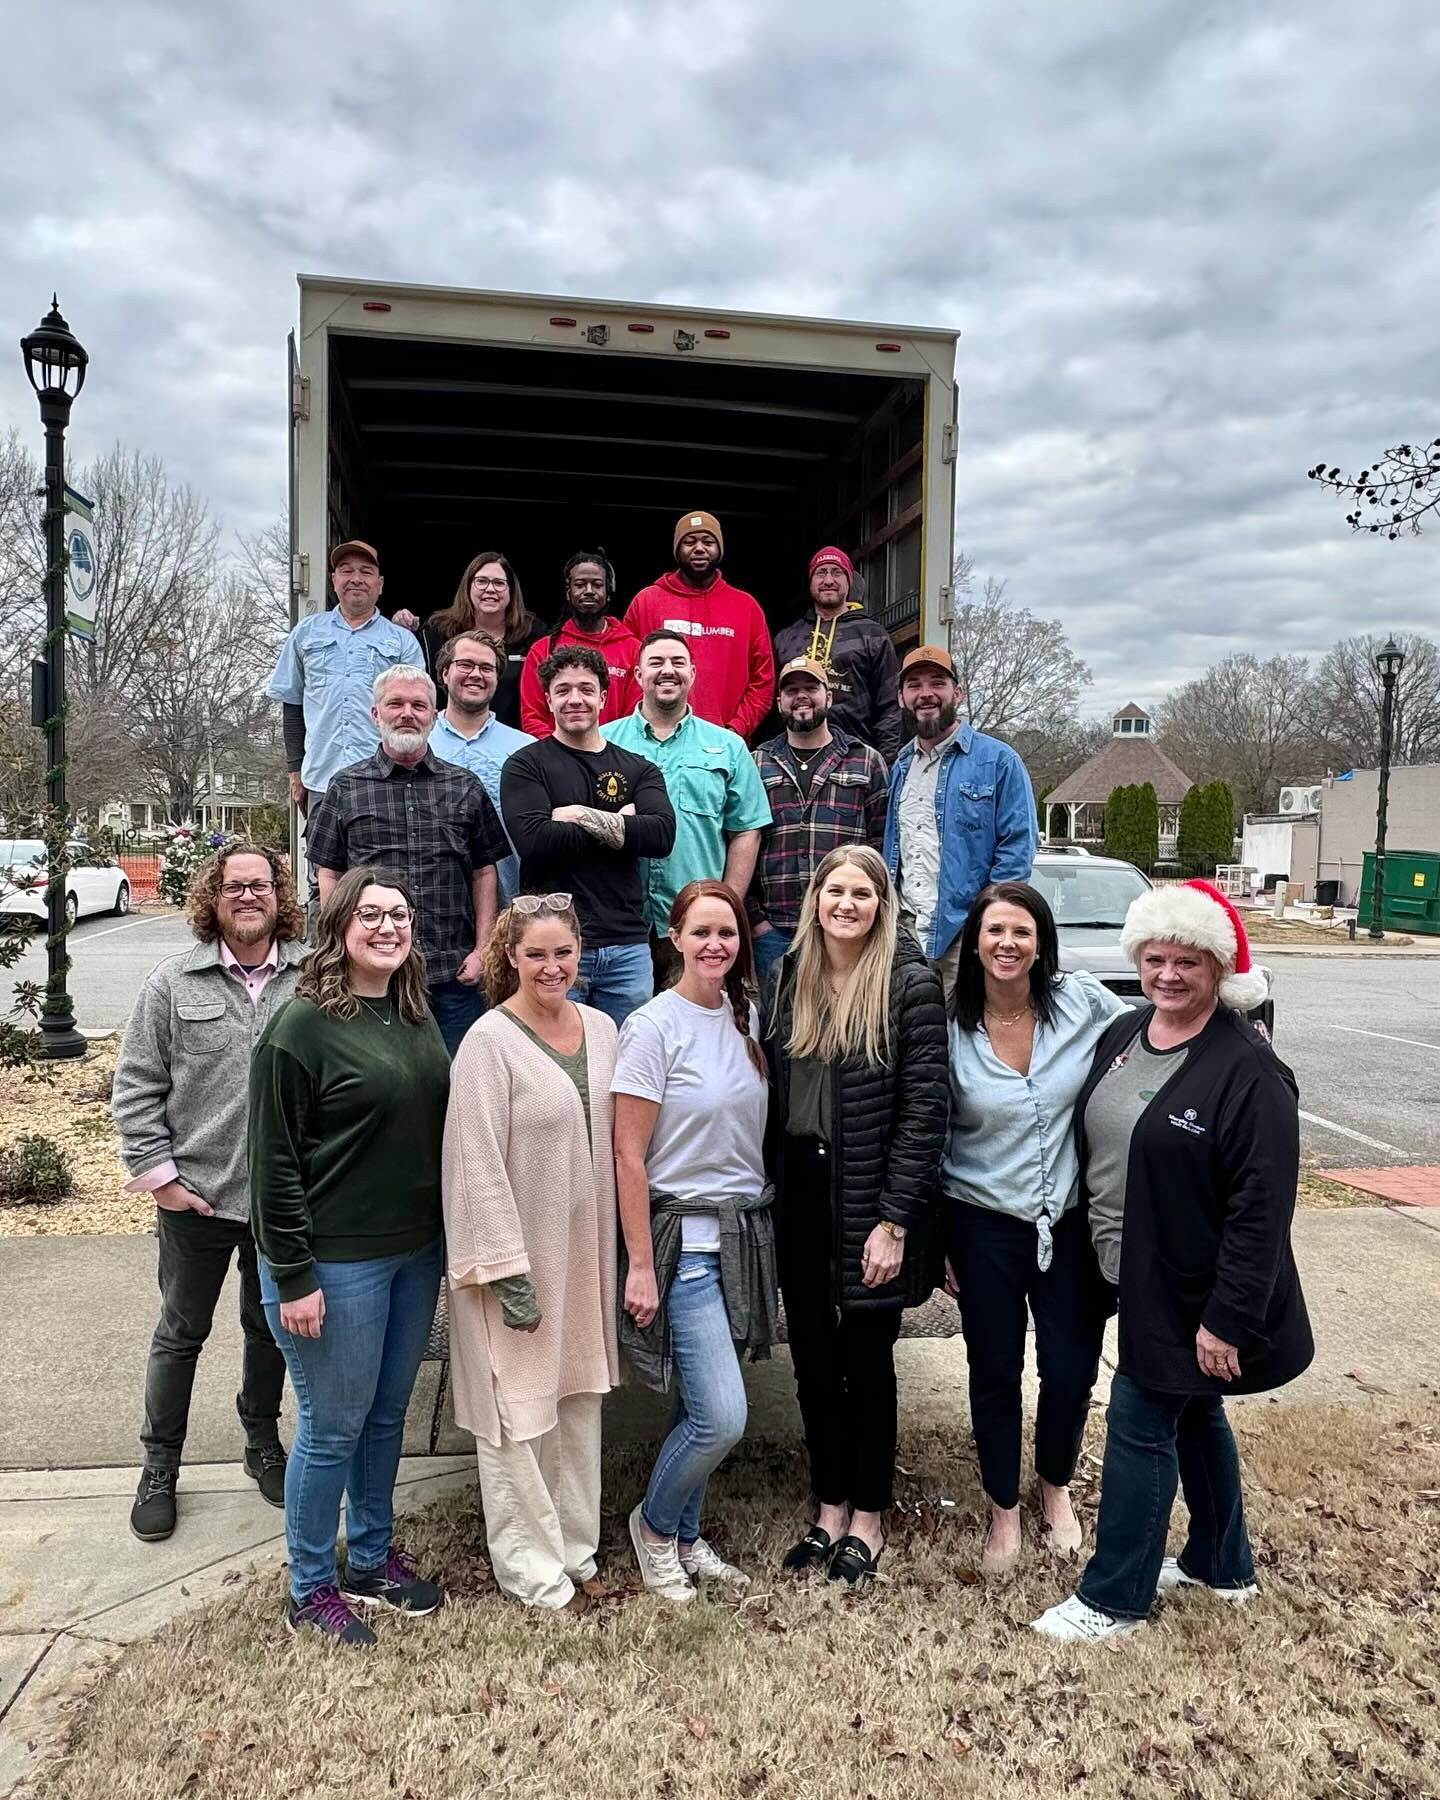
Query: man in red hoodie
(729, 639)
(587, 620)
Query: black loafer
(853, 1563)
(812, 1552)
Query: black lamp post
(55, 362)
(1389, 661)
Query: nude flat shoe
(995, 1565)
(1062, 1540)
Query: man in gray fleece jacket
(181, 1103)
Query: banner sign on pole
(80, 572)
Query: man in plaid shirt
(825, 789)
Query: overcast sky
(1192, 248)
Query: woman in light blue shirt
(1021, 1038)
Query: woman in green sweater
(347, 1116)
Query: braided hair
(740, 976)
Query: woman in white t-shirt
(699, 1286)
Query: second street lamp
(1389, 663)
(55, 362)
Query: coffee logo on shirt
(611, 787)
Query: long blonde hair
(856, 1022)
(325, 973)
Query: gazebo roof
(1124, 762)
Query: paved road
(111, 957)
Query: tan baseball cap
(802, 665)
(353, 547)
(928, 656)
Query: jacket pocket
(203, 1024)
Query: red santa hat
(1197, 914)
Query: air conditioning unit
(1301, 797)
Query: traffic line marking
(90, 937)
(1389, 1037)
(1358, 1136)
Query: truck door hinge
(299, 398)
(947, 604)
(597, 334)
(300, 573)
(949, 443)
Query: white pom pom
(1245, 992)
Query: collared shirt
(1011, 1143)
(327, 667)
(483, 753)
(433, 824)
(845, 804)
(715, 790)
(253, 978)
(919, 878)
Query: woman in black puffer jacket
(856, 1043)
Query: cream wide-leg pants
(541, 1498)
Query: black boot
(152, 1517)
(265, 1463)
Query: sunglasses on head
(529, 904)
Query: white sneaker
(1172, 1576)
(1073, 1622)
(660, 1565)
(701, 1563)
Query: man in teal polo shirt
(710, 776)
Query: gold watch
(896, 1231)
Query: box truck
(435, 422)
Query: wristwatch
(896, 1231)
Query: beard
(402, 743)
(812, 720)
(256, 927)
(934, 725)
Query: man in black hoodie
(854, 650)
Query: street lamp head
(1390, 661)
(55, 359)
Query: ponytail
(740, 979)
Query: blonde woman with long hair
(530, 1246)
(347, 1114)
(856, 1042)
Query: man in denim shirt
(961, 812)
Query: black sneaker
(265, 1463)
(324, 1610)
(152, 1517)
(394, 1584)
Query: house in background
(1075, 811)
(237, 792)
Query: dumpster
(1412, 891)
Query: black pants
(195, 1254)
(994, 1259)
(844, 1362)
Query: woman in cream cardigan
(529, 1187)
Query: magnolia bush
(186, 849)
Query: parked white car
(94, 883)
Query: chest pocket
(974, 805)
(322, 667)
(702, 789)
(203, 1024)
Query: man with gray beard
(432, 821)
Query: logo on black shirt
(612, 788)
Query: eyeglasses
(492, 584)
(527, 905)
(371, 917)
(466, 665)
(232, 890)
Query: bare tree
(263, 559)
(1051, 753)
(1018, 672)
(1345, 699)
(1240, 722)
(22, 554)
(1392, 496)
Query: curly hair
(325, 973)
(202, 905)
(498, 975)
(574, 656)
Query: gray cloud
(1191, 248)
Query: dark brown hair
(498, 975)
(325, 973)
(447, 651)
(202, 905)
(740, 976)
(968, 1008)
(459, 615)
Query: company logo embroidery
(1187, 1123)
(612, 787)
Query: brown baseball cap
(929, 656)
(802, 665)
(354, 547)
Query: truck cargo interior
(441, 449)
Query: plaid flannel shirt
(848, 796)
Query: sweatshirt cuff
(481, 1274)
(160, 1176)
(297, 1282)
(1231, 1327)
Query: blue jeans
(456, 1006)
(1151, 1441)
(616, 978)
(770, 946)
(710, 1405)
(352, 1386)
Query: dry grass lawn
(1325, 1688)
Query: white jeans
(541, 1498)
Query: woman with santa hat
(1189, 1139)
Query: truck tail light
(715, 331)
(375, 306)
(640, 328)
(892, 349)
(569, 322)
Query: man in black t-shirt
(581, 814)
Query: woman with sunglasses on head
(699, 1282)
(488, 599)
(856, 1039)
(1021, 1038)
(347, 1117)
(530, 1246)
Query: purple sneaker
(394, 1584)
(324, 1610)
